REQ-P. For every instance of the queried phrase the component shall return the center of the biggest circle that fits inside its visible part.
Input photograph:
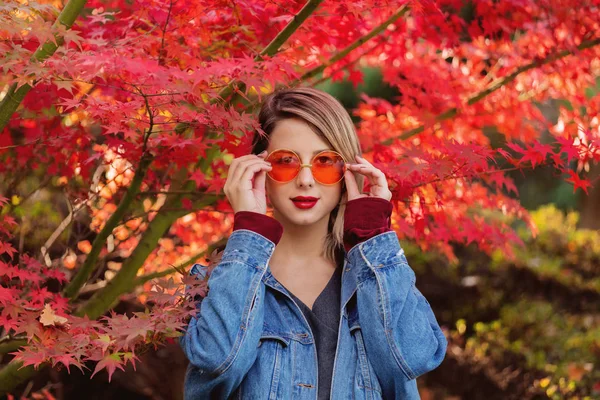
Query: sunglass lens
(328, 167)
(285, 165)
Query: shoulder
(204, 270)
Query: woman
(318, 302)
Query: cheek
(274, 191)
(333, 195)
(268, 190)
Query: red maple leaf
(578, 182)
(355, 76)
(111, 362)
(8, 323)
(568, 147)
(198, 177)
(67, 360)
(8, 295)
(28, 357)
(536, 154)
(7, 248)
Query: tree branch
(162, 51)
(122, 282)
(86, 269)
(452, 112)
(273, 47)
(343, 53)
(12, 345)
(362, 54)
(353, 46)
(145, 278)
(13, 373)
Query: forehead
(296, 134)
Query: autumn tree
(124, 116)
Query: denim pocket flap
(284, 340)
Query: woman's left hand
(379, 186)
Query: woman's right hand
(245, 184)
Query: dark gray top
(324, 320)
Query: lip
(304, 202)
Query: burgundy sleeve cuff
(364, 218)
(260, 223)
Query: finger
(239, 172)
(252, 177)
(245, 182)
(375, 176)
(260, 180)
(363, 161)
(240, 160)
(351, 185)
(363, 169)
(235, 164)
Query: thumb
(351, 185)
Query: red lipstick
(304, 202)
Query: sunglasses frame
(308, 165)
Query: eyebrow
(314, 152)
(318, 151)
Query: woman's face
(295, 134)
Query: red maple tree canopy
(132, 112)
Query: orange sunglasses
(327, 167)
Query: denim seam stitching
(362, 359)
(384, 297)
(362, 244)
(276, 372)
(221, 369)
(271, 243)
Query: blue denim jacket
(250, 340)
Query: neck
(302, 242)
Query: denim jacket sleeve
(402, 333)
(222, 340)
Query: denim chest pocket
(266, 373)
(365, 376)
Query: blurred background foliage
(536, 187)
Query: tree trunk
(589, 206)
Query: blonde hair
(330, 121)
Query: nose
(305, 177)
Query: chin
(301, 217)
(304, 219)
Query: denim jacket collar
(348, 283)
